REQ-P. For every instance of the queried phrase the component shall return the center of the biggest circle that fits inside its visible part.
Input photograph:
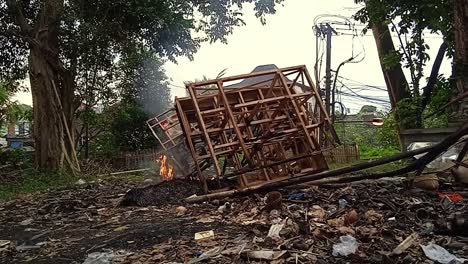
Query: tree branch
(19, 18)
(427, 91)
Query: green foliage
(96, 33)
(436, 109)
(392, 60)
(18, 158)
(370, 152)
(11, 110)
(33, 182)
(373, 142)
(409, 19)
(387, 135)
(409, 111)
(130, 130)
(125, 130)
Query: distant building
(19, 135)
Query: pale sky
(287, 40)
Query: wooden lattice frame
(268, 128)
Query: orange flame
(166, 170)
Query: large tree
(56, 41)
(409, 20)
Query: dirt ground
(65, 226)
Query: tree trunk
(395, 79)
(52, 125)
(461, 55)
(52, 88)
(432, 81)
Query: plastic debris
(454, 197)
(297, 196)
(317, 213)
(440, 254)
(204, 235)
(275, 230)
(342, 203)
(348, 246)
(225, 208)
(105, 257)
(408, 242)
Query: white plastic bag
(348, 246)
(440, 254)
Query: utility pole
(328, 34)
(327, 31)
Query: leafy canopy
(100, 32)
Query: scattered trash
(317, 213)
(180, 210)
(105, 257)
(428, 182)
(342, 203)
(273, 201)
(348, 246)
(298, 196)
(454, 197)
(408, 242)
(201, 256)
(265, 254)
(225, 208)
(274, 232)
(204, 235)
(440, 254)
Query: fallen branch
(123, 172)
(432, 153)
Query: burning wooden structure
(166, 128)
(255, 128)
